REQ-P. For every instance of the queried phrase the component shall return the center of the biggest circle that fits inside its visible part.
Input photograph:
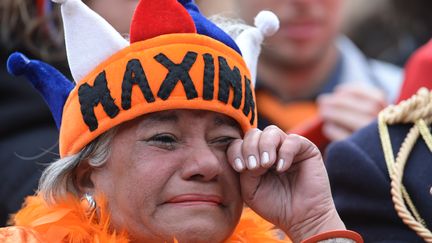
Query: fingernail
(252, 162)
(280, 164)
(265, 158)
(238, 165)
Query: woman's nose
(201, 164)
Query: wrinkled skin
(174, 173)
(289, 187)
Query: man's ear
(83, 181)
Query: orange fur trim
(253, 228)
(67, 221)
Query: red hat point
(153, 18)
(418, 72)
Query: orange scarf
(67, 221)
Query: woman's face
(168, 176)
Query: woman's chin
(206, 229)
(190, 233)
(200, 228)
(197, 216)
(200, 234)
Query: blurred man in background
(311, 77)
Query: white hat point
(250, 40)
(89, 38)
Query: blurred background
(388, 30)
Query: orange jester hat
(176, 59)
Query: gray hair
(231, 25)
(59, 178)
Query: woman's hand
(284, 180)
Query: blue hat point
(206, 27)
(189, 4)
(17, 64)
(53, 85)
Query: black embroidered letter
(227, 78)
(209, 70)
(177, 72)
(90, 97)
(249, 104)
(135, 75)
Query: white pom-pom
(267, 22)
(59, 1)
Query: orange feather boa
(67, 221)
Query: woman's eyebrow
(222, 120)
(160, 117)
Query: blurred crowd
(327, 74)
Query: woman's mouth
(300, 30)
(195, 200)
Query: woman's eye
(166, 141)
(222, 141)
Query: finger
(350, 120)
(294, 149)
(287, 152)
(335, 132)
(250, 149)
(362, 92)
(235, 156)
(271, 139)
(351, 103)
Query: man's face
(307, 28)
